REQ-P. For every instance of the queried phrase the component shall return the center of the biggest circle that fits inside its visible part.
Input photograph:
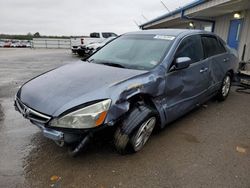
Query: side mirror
(182, 63)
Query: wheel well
(144, 99)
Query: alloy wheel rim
(226, 86)
(144, 133)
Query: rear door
(218, 59)
(187, 87)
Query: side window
(94, 35)
(106, 35)
(191, 47)
(212, 46)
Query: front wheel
(225, 88)
(135, 130)
(143, 133)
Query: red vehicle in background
(7, 45)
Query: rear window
(212, 46)
(107, 35)
(94, 35)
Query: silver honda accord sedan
(138, 82)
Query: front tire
(135, 129)
(142, 134)
(225, 88)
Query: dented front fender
(151, 84)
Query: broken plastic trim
(81, 145)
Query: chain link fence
(51, 43)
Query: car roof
(172, 32)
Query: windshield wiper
(112, 64)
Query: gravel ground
(209, 147)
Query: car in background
(76, 42)
(1, 44)
(23, 44)
(138, 82)
(15, 44)
(28, 44)
(87, 50)
(18, 44)
(7, 44)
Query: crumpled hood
(52, 90)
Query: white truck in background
(77, 42)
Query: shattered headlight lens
(87, 117)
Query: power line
(144, 17)
(165, 5)
(136, 23)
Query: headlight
(88, 117)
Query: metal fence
(51, 43)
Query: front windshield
(134, 51)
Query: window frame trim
(223, 45)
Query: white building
(230, 19)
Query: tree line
(30, 36)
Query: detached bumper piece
(81, 146)
(243, 80)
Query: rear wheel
(225, 88)
(135, 130)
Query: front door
(234, 33)
(187, 87)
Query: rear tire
(135, 130)
(225, 88)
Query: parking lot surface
(209, 147)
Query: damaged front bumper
(60, 136)
(52, 134)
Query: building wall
(222, 29)
(222, 25)
(245, 35)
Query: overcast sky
(79, 17)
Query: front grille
(31, 114)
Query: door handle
(204, 70)
(226, 59)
